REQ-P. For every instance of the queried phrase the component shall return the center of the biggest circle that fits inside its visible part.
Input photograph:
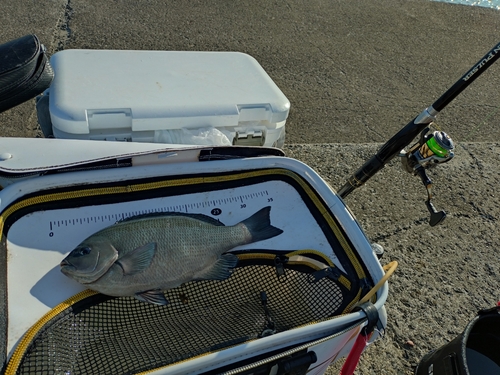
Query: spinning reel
(431, 149)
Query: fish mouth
(71, 271)
(84, 276)
(67, 267)
(66, 264)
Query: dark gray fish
(145, 255)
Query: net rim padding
(168, 181)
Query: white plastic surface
(41, 154)
(128, 95)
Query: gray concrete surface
(446, 273)
(355, 73)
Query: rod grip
(387, 152)
(363, 174)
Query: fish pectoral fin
(154, 296)
(138, 259)
(221, 269)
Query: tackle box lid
(157, 90)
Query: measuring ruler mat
(38, 241)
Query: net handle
(389, 270)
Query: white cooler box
(209, 98)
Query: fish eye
(83, 250)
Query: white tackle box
(299, 300)
(217, 98)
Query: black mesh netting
(124, 336)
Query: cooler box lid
(157, 90)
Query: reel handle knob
(436, 216)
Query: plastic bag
(203, 136)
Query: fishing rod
(430, 150)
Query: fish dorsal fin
(155, 296)
(138, 259)
(159, 215)
(221, 269)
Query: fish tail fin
(259, 225)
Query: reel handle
(436, 216)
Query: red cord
(353, 358)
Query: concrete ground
(355, 72)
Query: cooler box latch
(110, 124)
(250, 138)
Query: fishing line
(474, 130)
